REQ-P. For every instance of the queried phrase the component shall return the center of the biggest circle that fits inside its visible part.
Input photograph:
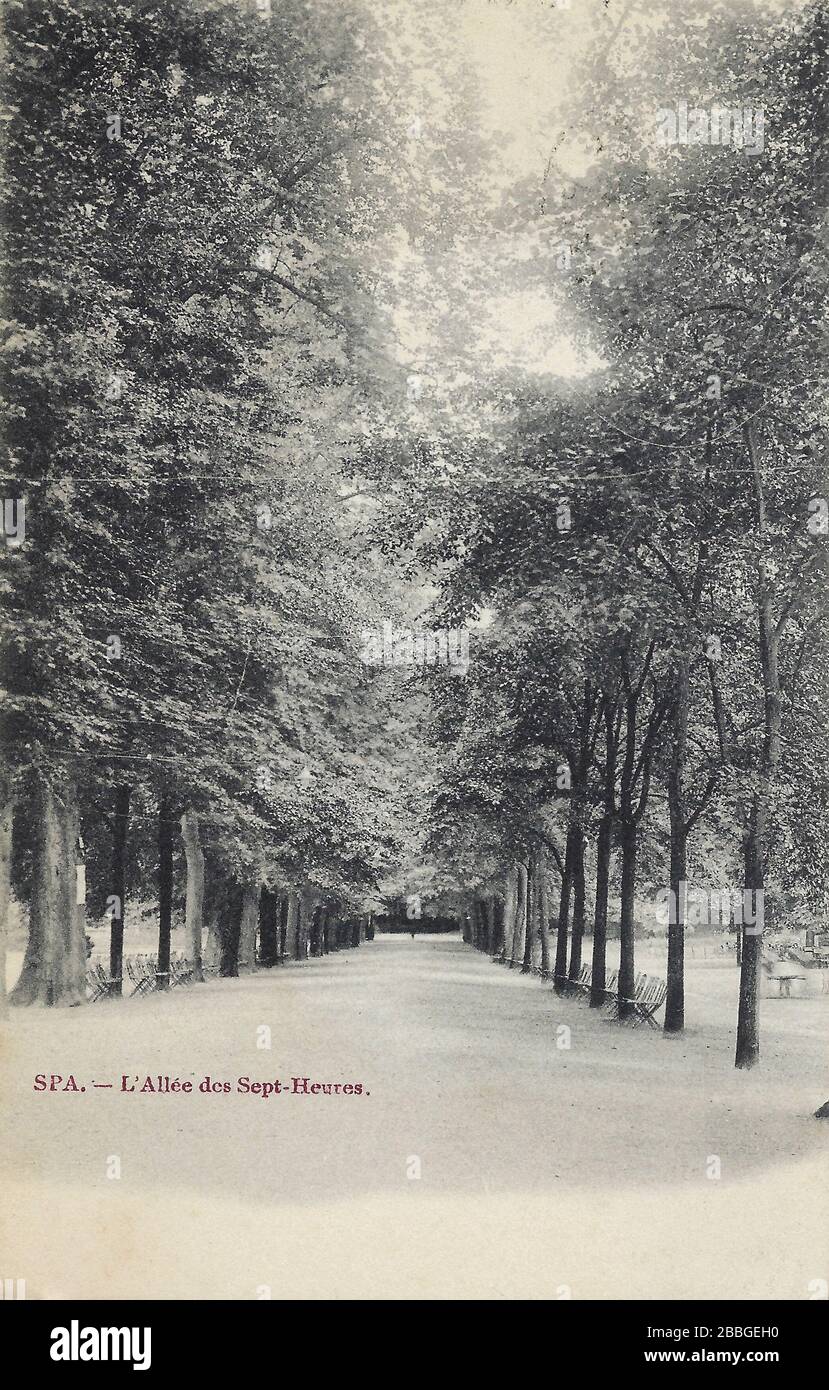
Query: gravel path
(552, 1163)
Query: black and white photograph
(414, 667)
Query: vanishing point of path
(551, 1164)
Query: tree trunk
(489, 922)
(529, 931)
(247, 932)
(165, 892)
(483, 939)
(769, 633)
(229, 923)
(604, 851)
(284, 907)
(577, 936)
(194, 913)
(543, 929)
(519, 924)
(496, 945)
(6, 816)
(268, 904)
(54, 968)
(632, 808)
(751, 954)
(212, 948)
(604, 847)
(118, 886)
(304, 924)
(293, 943)
(560, 975)
(675, 998)
(627, 974)
(510, 908)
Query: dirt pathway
(538, 1149)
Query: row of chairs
(142, 973)
(649, 992)
(98, 982)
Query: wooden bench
(650, 996)
(611, 982)
(649, 993)
(583, 982)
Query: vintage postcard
(413, 792)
